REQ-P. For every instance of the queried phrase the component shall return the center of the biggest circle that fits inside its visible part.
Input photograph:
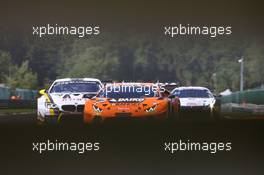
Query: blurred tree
(5, 63)
(193, 61)
(22, 77)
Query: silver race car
(198, 100)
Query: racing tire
(97, 120)
(174, 115)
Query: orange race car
(131, 100)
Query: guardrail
(15, 104)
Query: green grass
(16, 110)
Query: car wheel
(97, 120)
(173, 115)
(40, 119)
(216, 114)
(52, 119)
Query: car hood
(120, 101)
(70, 98)
(197, 101)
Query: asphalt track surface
(131, 147)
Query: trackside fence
(246, 104)
(245, 97)
(17, 98)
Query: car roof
(191, 87)
(71, 79)
(129, 84)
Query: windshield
(75, 86)
(193, 93)
(128, 92)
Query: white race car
(66, 96)
(196, 99)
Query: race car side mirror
(42, 91)
(217, 96)
(172, 96)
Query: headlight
(211, 105)
(51, 105)
(151, 109)
(97, 109)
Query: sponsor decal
(72, 99)
(124, 100)
(192, 104)
(113, 100)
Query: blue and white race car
(66, 96)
